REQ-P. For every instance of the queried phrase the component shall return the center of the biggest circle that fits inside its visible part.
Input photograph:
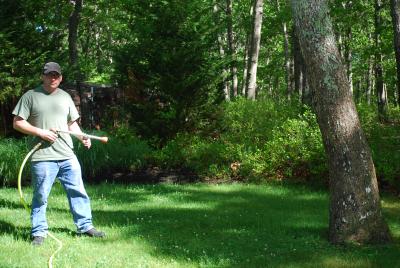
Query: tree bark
(73, 24)
(288, 73)
(222, 54)
(369, 81)
(355, 211)
(231, 47)
(255, 49)
(380, 89)
(395, 11)
(246, 61)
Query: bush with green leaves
(12, 153)
(257, 140)
(205, 156)
(124, 152)
(384, 140)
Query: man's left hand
(86, 142)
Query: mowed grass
(192, 225)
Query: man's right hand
(47, 135)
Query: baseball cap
(51, 67)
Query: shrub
(205, 156)
(123, 153)
(12, 153)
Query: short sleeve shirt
(47, 111)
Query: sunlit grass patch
(192, 225)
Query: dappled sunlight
(198, 225)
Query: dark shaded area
(147, 175)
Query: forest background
(220, 93)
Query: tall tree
(379, 83)
(395, 11)
(355, 211)
(255, 49)
(231, 48)
(288, 69)
(73, 24)
(221, 52)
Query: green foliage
(124, 152)
(274, 139)
(205, 156)
(12, 153)
(256, 140)
(170, 63)
(384, 140)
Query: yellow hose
(22, 200)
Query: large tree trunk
(231, 47)
(395, 11)
(255, 49)
(355, 211)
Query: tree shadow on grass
(10, 204)
(233, 228)
(19, 233)
(239, 228)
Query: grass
(192, 225)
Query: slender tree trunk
(73, 24)
(231, 47)
(255, 49)
(355, 211)
(369, 81)
(348, 58)
(395, 11)
(380, 90)
(297, 59)
(222, 54)
(245, 82)
(288, 79)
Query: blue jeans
(69, 173)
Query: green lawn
(193, 225)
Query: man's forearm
(25, 127)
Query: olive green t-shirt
(46, 111)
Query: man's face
(51, 80)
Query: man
(41, 112)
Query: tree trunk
(255, 49)
(369, 81)
(288, 76)
(348, 58)
(380, 90)
(245, 82)
(231, 47)
(222, 54)
(73, 24)
(395, 11)
(355, 211)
